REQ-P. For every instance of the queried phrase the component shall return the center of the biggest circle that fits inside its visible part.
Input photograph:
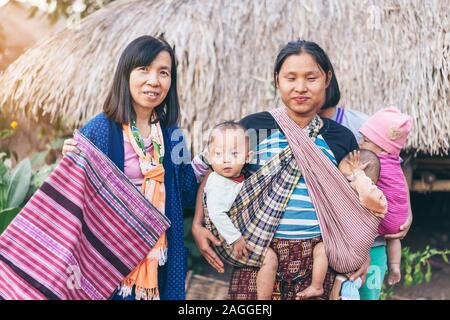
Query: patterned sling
(257, 210)
(348, 229)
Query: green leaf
(6, 133)
(428, 274)
(418, 275)
(445, 258)
(408, 268)
(41, 175)
(38, 158)
(20, 183)
(408, 281)
(6, 216)
(3, 170)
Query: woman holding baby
(306, 82)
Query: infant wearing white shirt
(228, 152)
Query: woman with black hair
(306, 82)
(138, 132)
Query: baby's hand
(354, 161)
(240, 248)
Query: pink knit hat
(388, 129)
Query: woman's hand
(404, 228)
(70, 146)
(361, 272)
(203, 238)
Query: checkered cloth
(259, 206)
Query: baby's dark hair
(373, 169)
(233, 125)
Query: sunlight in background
(41, 4)
(77, 6)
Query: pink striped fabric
(80, 234)
(348, 229)
(393, 185)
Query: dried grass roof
(383, 52)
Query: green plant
(18, 186)
(14, 187)
(416, 268)
(416, 265)
(6, 133)
(387, 292)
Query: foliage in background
(7, 132)
(19, 184)
(14, 187)
(416, 268)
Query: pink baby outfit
(393, 185)
(389, 129)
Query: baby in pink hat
(385, 134)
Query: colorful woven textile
(80, 234)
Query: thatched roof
(383, 52)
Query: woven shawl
(80, 234)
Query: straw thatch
(383, 52)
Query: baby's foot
(309, 292)
(394, 274)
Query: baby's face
(365, 143)
(228, 152)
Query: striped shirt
(299, 221)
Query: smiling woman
(291, 218)
(140, 114)
(142, 84)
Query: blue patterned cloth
(181, 189)
(350, 289)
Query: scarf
(144, 278)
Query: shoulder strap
(339, 114)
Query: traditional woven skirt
(295, 262)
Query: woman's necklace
(140, 141)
